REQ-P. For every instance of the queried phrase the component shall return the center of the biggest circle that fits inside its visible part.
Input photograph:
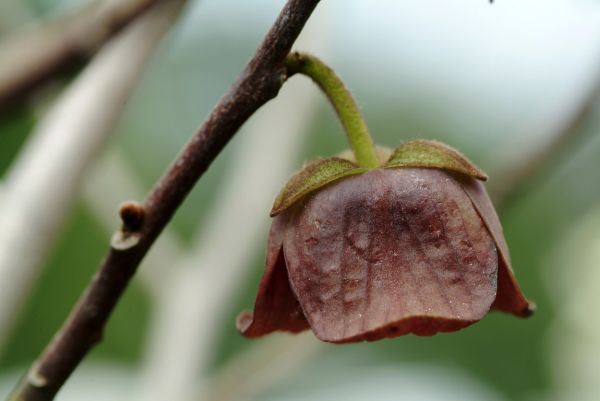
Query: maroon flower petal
(510, 298)
(390, 252)
(276, 307)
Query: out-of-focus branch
(254, 371)
(29, 58)
(13, 14)
(43, 182)
(258, 83)
(201, 291)
(520, 177)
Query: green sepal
(433, 154)
(383, 153)
(313, 176)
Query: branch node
(36, 379)
(124, 240)
(132, 215)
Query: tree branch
(42, 183)
(255, 370)
(30, 58)
(203, 284)
(259, 82)
(111, 180)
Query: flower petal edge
(510, 297)
(276, 307)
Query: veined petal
(276, 307)
(510, 298)
(390, 252)
(433, 154)
(313, 176)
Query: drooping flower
(413, 246)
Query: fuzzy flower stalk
(377, 243)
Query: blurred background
(513, 84)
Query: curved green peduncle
(342, 101)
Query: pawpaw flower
(411, 246)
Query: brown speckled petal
(510, 298)
(276, 307)
(390, 252)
